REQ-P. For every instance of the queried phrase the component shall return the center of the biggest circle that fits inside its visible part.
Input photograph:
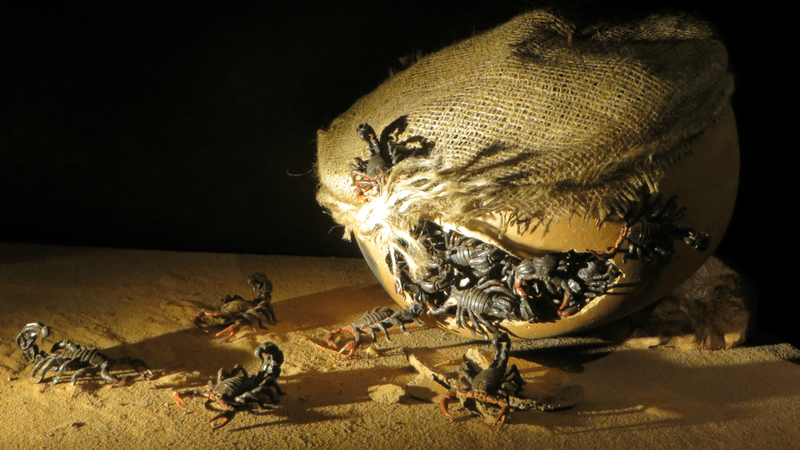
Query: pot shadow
(634, 389)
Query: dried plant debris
(181, 379)
(708, 311)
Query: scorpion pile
(481, 284)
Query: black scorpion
(492, 385)
(488, 297)
(236, 311)
(381, 318)
(651, 229)
(66, 355)
(237, 391)
(385, 152)
(479, 257)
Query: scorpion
(381, 318)
(493, 385)
(544, 270)
(236, 311)
(385, 152)
(594, 279)
(237, 391)
(480, 257)
(487, 297)
(650, 231)
(84, 360)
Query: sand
(140, 304)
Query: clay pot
(705, 182)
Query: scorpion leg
(460, 316)
(512, 381)
(258, 393)
(481, 324)
(273, 383)
(255, 396)
(64, 366)
(231, 330)
(51, 364)
(40, 365)
(266, 309)
(106, 376)
(564, 310)
(383, 328)
(526, 311)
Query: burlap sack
(529, 121)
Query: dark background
(192, 128)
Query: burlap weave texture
(533, 120)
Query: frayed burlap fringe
(532, 120)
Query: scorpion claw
(179, 400)
(348, 350)
(329, 338)
(443, 405)
(230, 332)
(226, 417)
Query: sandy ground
(140, 303)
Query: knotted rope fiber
(532, 120)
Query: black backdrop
(192, 127)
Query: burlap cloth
(534, 119)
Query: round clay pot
(704, 181)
